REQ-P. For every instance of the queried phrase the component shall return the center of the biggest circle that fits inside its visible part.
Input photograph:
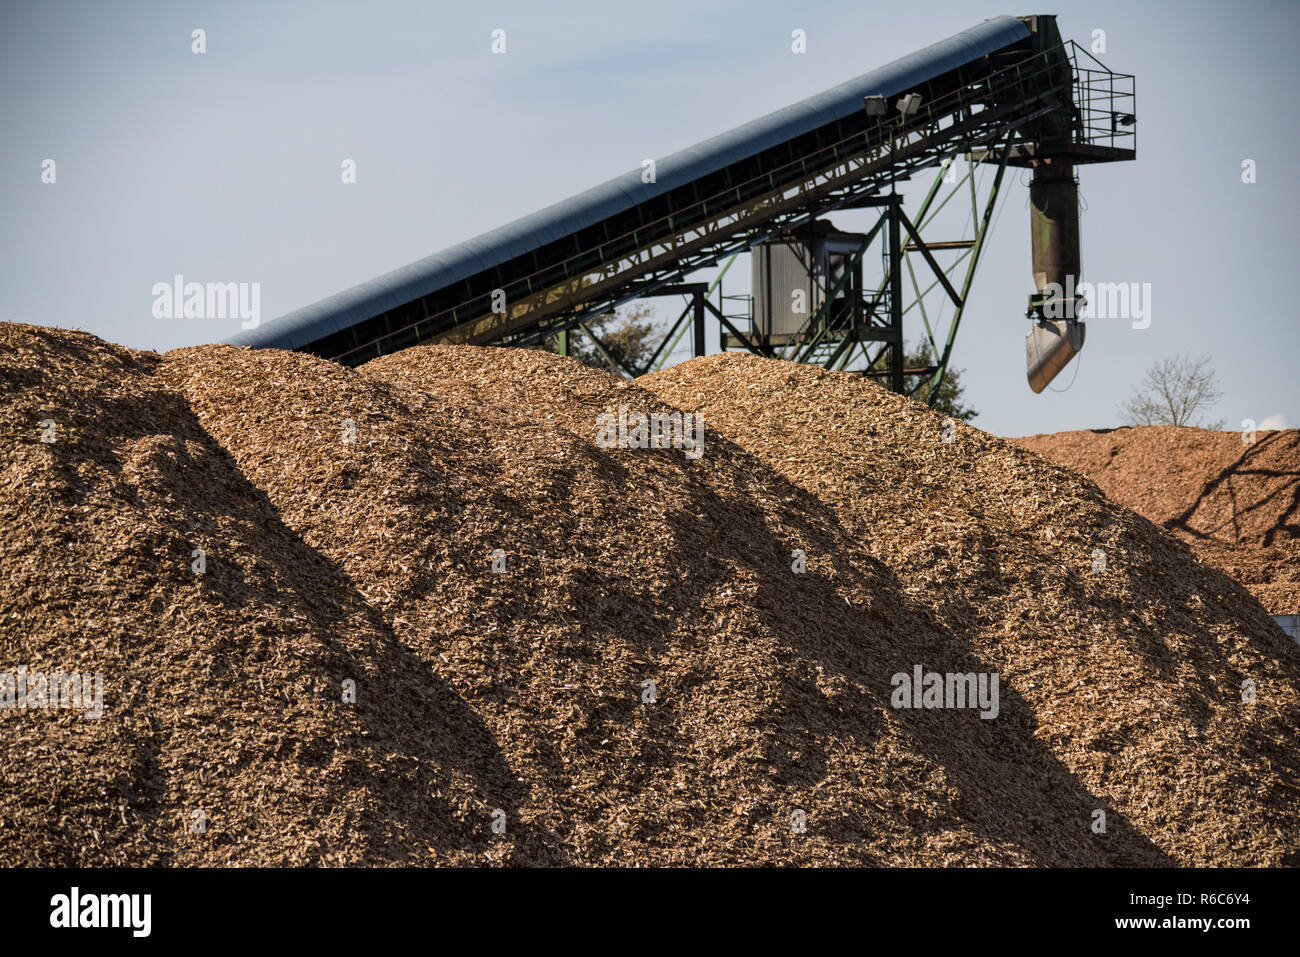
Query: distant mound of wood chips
(1236, 502)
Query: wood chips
(649, 681)
(1234, 501)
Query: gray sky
(226, 166)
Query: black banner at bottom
(638, 908)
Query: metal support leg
(895, 299)
(699, 322)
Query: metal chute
(1049, 347)
(1057, 333)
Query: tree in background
(630, 334)
(950, 396)
(1175, 392)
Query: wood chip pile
(1132, 677)
(648, 680)
(1237, 504)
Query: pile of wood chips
(1234, 497)
(570, 654)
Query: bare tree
(1175, 392)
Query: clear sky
(225, 166)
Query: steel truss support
(869, 335)
(691, 317)
(887, 362)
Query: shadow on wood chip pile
(648, 680)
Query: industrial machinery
(1004, 93)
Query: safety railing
(1105, 102)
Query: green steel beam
(605, 353)
(924, 250)
(744, 339)
(937, 380)
(713, 285)
(659, 354)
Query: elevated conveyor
(1003, 91)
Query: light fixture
(909, 104)
(875, 105)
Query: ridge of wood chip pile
(1237, 504)
(350, 520)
